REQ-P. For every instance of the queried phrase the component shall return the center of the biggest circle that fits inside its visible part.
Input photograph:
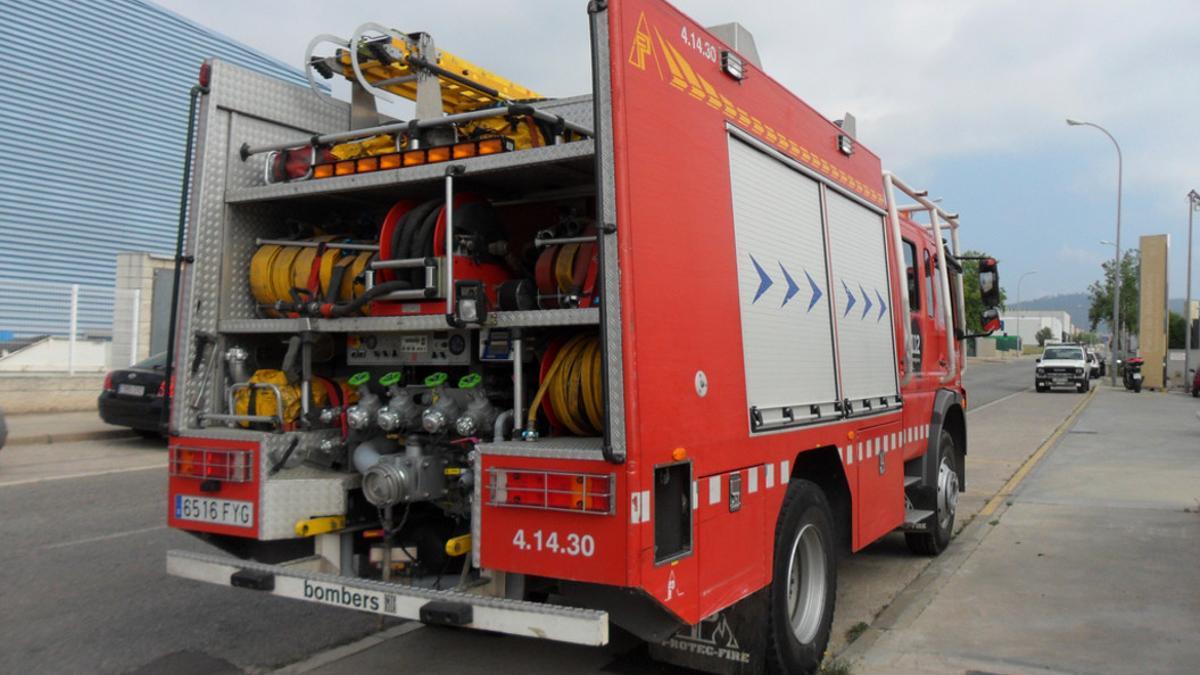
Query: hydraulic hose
(575, 386)
(348, 308)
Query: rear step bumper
(514, 617)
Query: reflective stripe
(714, 489)
(752, 480)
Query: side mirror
(990, 320)
(1038, 360)
(989, 282)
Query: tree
(1102, 294)
(973, 303)
(1085, 338)
(1044, 334)
(1176, 331)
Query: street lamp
(1193, 206)
(1117, 257)
(1018, 318)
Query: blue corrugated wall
(93, 107)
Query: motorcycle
(1133, 374)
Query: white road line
(114, 535)
(336, 654)
(30, 481)
(999, 400)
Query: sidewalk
(65, 427)
(1091, 569)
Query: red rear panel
(228, 507)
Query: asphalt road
(83, 586)
(991, 381)
(84, 589)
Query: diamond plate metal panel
(611, 268)
(559, 447)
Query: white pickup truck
(1063, 366)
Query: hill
(1077, 304)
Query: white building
(1026, 323)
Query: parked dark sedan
(133, 397)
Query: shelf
(558, 447)
(545, 168)
(426, 322)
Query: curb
(911, 601)
(49, 439)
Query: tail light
(327, 166)
(164, 390)
(234, 466)
(108, 383)
(551, 490)
(296, 163)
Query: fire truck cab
(655, 356)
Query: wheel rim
(806, 584)
(947, 493)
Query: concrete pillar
(1152, 310)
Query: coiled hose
(575, 387)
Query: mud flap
(730, 642)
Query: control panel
(438, 348)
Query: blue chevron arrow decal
(792, 287)
(816, 291)
(764, 281)
(882, 306)
(867, 298)
(848, 295)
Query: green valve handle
(470, 381)
(436, 380)
(391, 378)
(359, 379)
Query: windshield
(1063, 354)
(156, 362)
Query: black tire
(147, 433)
(804, 532)
(1084, 386)
(1137, 387)
(943, 502)
(1041, 388)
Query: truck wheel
(804, 586)
(945, 503)
(1041, 388)
(1083, 387)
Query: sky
(966, 99)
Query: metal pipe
(449, 208)
(402, 263)
(518, 381)
(470, 116)
(903, 314)
(249, 419)
(317, 244)
(947, 312)
(1193, 205)
(414, 294)
(958, 291)
(553, 241)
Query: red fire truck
(652, 357)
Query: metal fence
(48, 327)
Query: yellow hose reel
(275, 270)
